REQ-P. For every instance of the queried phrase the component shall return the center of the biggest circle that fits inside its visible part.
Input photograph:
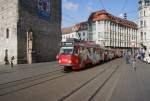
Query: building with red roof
(108, 30)
(78, 31)
(111, 31)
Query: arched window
(7, 33)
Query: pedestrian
(130, 57)
(12, 60)
(6, 60)
(127, 57)
(133, 62)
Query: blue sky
(74, 11)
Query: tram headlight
(59, 61)
(69, 61)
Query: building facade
(144, 22)
(106, 30)
(110, 31)
(78, 31)
(29, 30)
(69, 33)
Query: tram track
(103, 84)
(14, 86)
(64, 98)
(22, 84)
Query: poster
(44, 9)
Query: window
(7, 33)
(72, 36)
(100, 35)
(144, 13)
(83, 33)
(140, 13)
(141, 23)
(144, 23)
(66, 51)
(147, 3)
(145, 35)
(141, 35)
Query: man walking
(12, 60)
(127, 57)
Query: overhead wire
(124, 6)
(101, 2)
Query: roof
(76, 27)
(81, 26)
(103, 15)
(67, 30)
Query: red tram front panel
(68, 60)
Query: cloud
(70, 5)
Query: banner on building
(44, 9)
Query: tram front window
(66, 51)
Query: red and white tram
(75, 54)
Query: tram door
(29, 47)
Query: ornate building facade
(144, 22)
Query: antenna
(125, 15)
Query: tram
(75, 54)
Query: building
(29, 30)
(106, 30)
(111, 31)
(78, 31)
(144, 22)
(68, 33)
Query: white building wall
(8, 20)
(100, 32)
(108, 33)
(83, 34)
(144, 23)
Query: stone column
(29, 46)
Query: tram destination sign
(67, 44)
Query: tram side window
(81, 50)
(76, 51)
(91, 50)
(96, 51)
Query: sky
(75, 11)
